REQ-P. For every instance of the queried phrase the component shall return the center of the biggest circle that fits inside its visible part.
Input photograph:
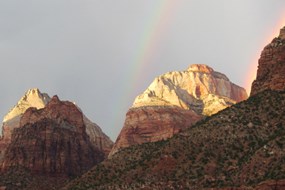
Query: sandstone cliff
(174, 101)
(271, 66)
(153, 123)
(52, 141)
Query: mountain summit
(174, 101)
(32, 98)
(194, 88)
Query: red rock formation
(52, 141)
(271, 66)
(175, 101)
(150, 124)
(33, 98)
(59, 111)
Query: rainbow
(151, 36)
(157, 23)
(251, 75)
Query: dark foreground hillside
(242, 146)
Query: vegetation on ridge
(240, 146)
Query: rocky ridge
(271, 66)
(175, 100)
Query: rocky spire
(271, 66)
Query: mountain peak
(55, 98)
(183, 88)
(282, 33)
(33, 91)
(271, 66)
(200, 68)
(32, 98)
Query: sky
(102, 54)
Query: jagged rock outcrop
(52, 141)
(271, 66)
(34, 98)
(174, 101)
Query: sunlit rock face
(174, 101)
(271, 66)
(32, 98)
(199, 88)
